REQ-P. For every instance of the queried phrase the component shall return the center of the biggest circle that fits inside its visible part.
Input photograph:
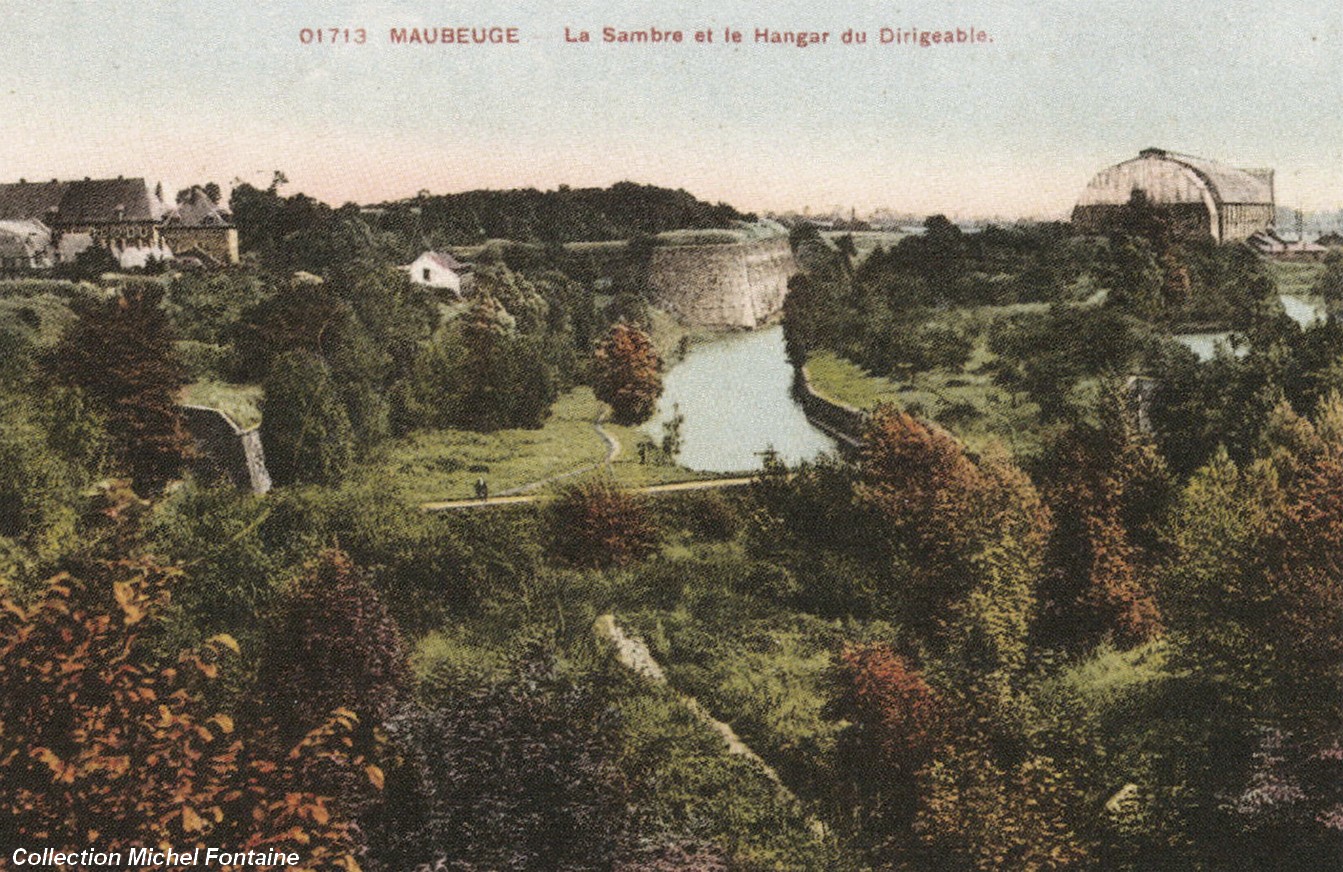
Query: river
(1305, 311)
(736, 396)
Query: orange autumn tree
(966, 777)
(1107, 484)
(967, 535)
(918, 480)
(102, 745)
(598, 523)
(627, 374)
(892, 717)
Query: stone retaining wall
(840, 420)
(226, 451)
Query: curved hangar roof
(1167, 177)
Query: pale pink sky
(202, 91)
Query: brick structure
(201, 228)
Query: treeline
(297, 232)
(623, 211)
(881, 313)
(884, 313)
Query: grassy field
(242, 403)
(444, 464)
(966, 401)
(1294, 278)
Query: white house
(436, 270)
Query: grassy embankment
(965, 400)
(748, 660)
(242, 403)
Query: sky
(189, 91)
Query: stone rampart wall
(733, 285)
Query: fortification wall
(733, 285)
(224, 450)
(842, 421)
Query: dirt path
(612, 443)
(516, 496)
(528, 493)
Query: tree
(103, 744)
(893, 727)
(502, 379)
(88, 265)
(303, 314)
(121, 354)
(596, 523)
(516, 774)
(304, 428)
(917, 479)
(627, 374)
(1253, 589)
(1330, 283)
(967, 541)
(997, 811)
(1136, 280)
(331, 645)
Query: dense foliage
(627, 374)
(103, 744)
(517, 774)
(1117, 648)
(120, 355)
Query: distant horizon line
(804, 211)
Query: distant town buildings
(43, 224)
(1270, 244)
(1199, 197)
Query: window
(426, 274)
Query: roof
(103, 200)
(1266, 241)
(1231, 185)
(30, 199)
(25, 227)
(446, 261)
(92, 201)
(196, 209)
(1170, 177)
(23, 238)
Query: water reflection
(1306, 311)
(736, 396)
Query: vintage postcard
(476, 436)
